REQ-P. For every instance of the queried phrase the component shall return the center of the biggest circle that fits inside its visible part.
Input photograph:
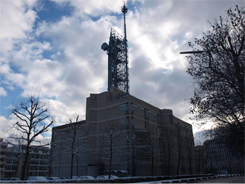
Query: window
(42, 162)
(149, 113)
(133, 107)
(142, 110)
(160, 130)
(34, 162)
(147, 125)
(123, 107)
(155, 115)
(35, 156)
(159, 118)
(127, 122)
(42, 168)
(42, 156)
(14, 167)
(8, 167)
(132, 121)
(160, 143)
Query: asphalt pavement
(236, 179)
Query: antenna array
(118, 58)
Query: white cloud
(92, 7)
(5, 125)
(157, 31)
(2, 92)
(16, 19)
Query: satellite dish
(104, 46)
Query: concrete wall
(154, 127)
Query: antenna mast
(124, 10)
(118, 58)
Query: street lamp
(192, 52)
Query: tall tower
(118, 58)
(125, 10)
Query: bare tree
(136, 149)
(180, 144)
(132, 141)
(218, 74)
(74, 141)
(199, 158)
(153, 150)
(169, 147)
(111, 143)
(33, 119)
(15, 152)
(190, 156)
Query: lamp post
(192, 52)
(199, 52)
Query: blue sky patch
(51, 12)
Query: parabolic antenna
(104, 46)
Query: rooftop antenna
(125, 10)
(118, 58)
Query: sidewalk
(236, 179)
(224, 178)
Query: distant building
(12, 160)
(200, 159)
(149, 140)
(220, 159)
(3, 156)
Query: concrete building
(3, 156)
(200, 159)
(146, 139)
(220, 159)
(12, 158)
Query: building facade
(3, 156)
(200, 159)
(220, 159)
(12, 160)
(138, 137)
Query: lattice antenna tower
(117, 51)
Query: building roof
(66, 125)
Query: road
(237, 179)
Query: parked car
(86, 178)
(63, 178)
(106, 177)
(37, 178)
(4, 178)
(74, 177)
(53, 178)
(119, 173)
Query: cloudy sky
(53, 46)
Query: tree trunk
(25, 162)
(169, 163)
(132, 174)
(72, 158)
(178, 166)
(77, 164)
(152, 162)
(72, 153)
(111, 152)
(190, 162)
